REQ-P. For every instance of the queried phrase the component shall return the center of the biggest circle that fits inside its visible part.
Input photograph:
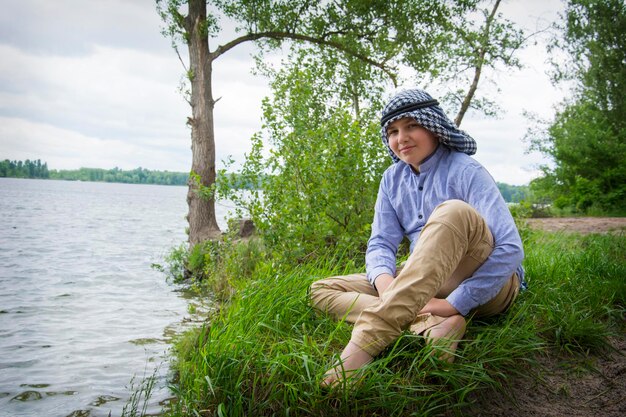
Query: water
(81, 309)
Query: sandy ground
(583, 225)
(593, 386)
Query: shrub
(320, 177)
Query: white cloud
(126, 96)
(107, 88)
(95, 84)
(67, 149)
(73, 27)
(118, 95)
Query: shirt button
(420, 188)
(420, 216)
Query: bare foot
(445, 336)
(352, 358)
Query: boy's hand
(439, 307)
(382, 282)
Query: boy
(466, 252)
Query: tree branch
(467, 39)
(523, 41)
(181, 59)
(343, 224)
(299, 37)
(478, 67)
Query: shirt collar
(431, 160)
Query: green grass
(578, 291)
(266, 350)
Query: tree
(373, 33)
(474, 47)
(326, 159)
(587, 139)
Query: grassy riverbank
(265, 351)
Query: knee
(454, 211)
(317, 286)
(452, 207)
(315, 290)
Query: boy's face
(410, 141)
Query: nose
(402, 134)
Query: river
(81, 309)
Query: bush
(215, 266)
(319, 179)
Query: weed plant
(141, 392)
(266, 350)
(214, 266)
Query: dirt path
(582, 225)
(595, 387)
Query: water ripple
(82, 310)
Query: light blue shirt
(406, 200)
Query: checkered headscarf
(419, 105)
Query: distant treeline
(26, 169)
(38, 169)
(514, 193)
(135, 176)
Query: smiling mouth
(407, 149)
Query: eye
(392, 132)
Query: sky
(95, 84)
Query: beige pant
(452, 245)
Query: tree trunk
(472, 90)
(478, 65)
(201, 217)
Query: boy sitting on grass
(466, 252)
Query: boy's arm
(387, 233)
(382, 282)
(481, 192)
(439, 307)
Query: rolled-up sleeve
(387, 234)
(481, 192)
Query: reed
(140, 394)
